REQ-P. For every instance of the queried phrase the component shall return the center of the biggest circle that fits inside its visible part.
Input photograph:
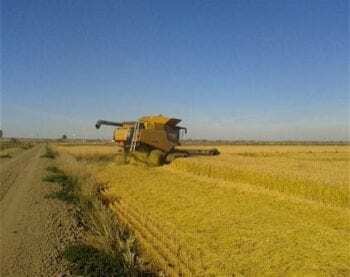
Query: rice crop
(315, 173)
(252, 211)
(93, 153)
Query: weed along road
(33, 227)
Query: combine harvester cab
(153, 139)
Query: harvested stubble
(174, 255)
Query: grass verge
(109, 247)
(89, 261)
(49, 153)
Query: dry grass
(109, 247)
(15, 143)
(10, 149)
(92, 153)
(254, 210)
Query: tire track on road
(10, 170)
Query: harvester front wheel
(156, 157)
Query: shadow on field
(89, 261)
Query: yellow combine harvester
(157, 136)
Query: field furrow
(166, 237)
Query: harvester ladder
(135, 136)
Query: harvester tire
(156, 157)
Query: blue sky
(265, 70)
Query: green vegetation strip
(49, 153)
(88, 261)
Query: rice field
(92, 153)
(251, 211)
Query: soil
(34, 229)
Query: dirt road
(34, 228)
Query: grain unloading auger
(155, 136)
